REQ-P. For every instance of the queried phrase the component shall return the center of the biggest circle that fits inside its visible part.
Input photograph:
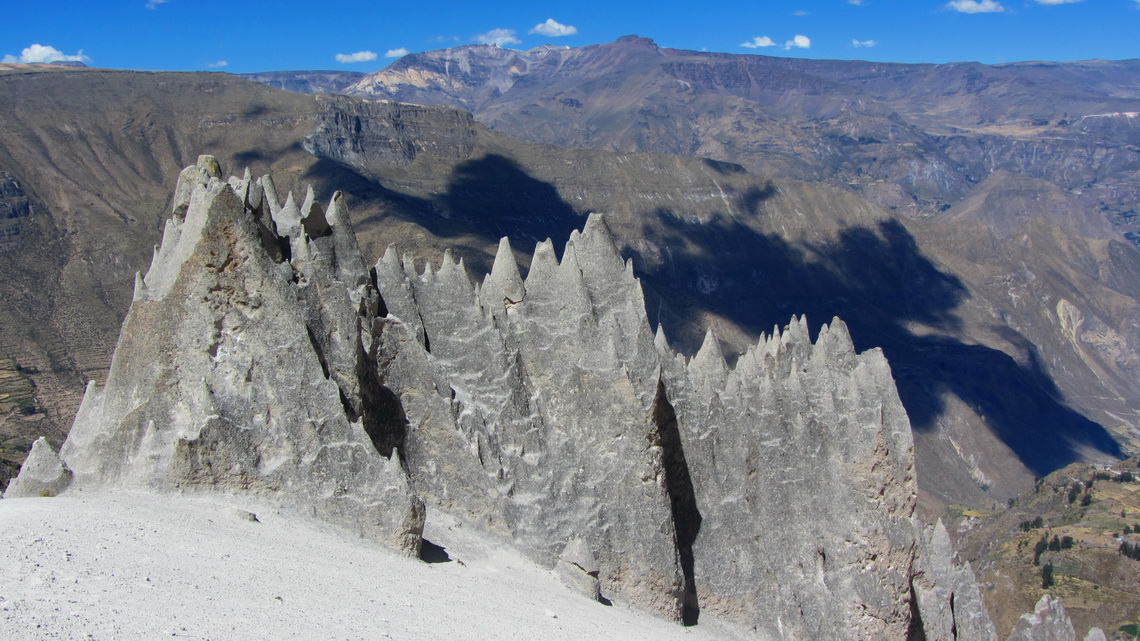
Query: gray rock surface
(261, 355)
(42, 474)
(1047, 622)
(948, 598)
(533, 414)
(803, 473)
(547, 412)
(235, 372)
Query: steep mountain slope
(915, 138)
(997, 388)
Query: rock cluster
(261, 355)
(1048, 622)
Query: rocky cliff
(259, 355)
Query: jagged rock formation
(237, 369)
(260, 355)
(1047, 622)
(949, 601)
(787, 480)
(42, 474)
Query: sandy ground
(141, 566)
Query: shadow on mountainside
(875, 279)
(878, 282)
(491, 196)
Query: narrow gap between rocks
(682, 498)
(915, 632)
(385, 421)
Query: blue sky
(366, 36)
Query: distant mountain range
(915, 138)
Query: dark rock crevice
(682, 497)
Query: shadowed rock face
(260, 356)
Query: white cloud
(220, 63)
(153, 4)
(396, 53)
(1060, 1)
(975, 6)
(553, 29)
(800, 13)
(801, 42)
(498, 37)
(863, 43)
(45, 53)
(765, 41)
(359, 56)
(855, 2)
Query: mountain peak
(635, 41)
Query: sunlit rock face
(260, 355)
(239, 370)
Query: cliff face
(260, 356)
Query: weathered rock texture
(238, 370)
(779, 493)
(1047, 622)
(948, 599)
(260, 355)
(42, 474)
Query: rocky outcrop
(531, 407)
(238, 372)
(778, 493)
(260, 355)
(42, 474)
(1047, 622)
(360, 133)
(948, 599)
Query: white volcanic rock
(1047, 622)
(784, 486)
(949, 600)
(260, 357)
(42, 474)
(230, 372)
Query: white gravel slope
(129, 566)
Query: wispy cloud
(396, 53)
(498, 37)
(1061, 1)
(801, 12)
(220, 63)
(45, 53)
(975, 6)
(863, 43)
(359, 56)
(153, 4)
(799, 42)
(855, 2)
(553, 29)
(765, 41)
